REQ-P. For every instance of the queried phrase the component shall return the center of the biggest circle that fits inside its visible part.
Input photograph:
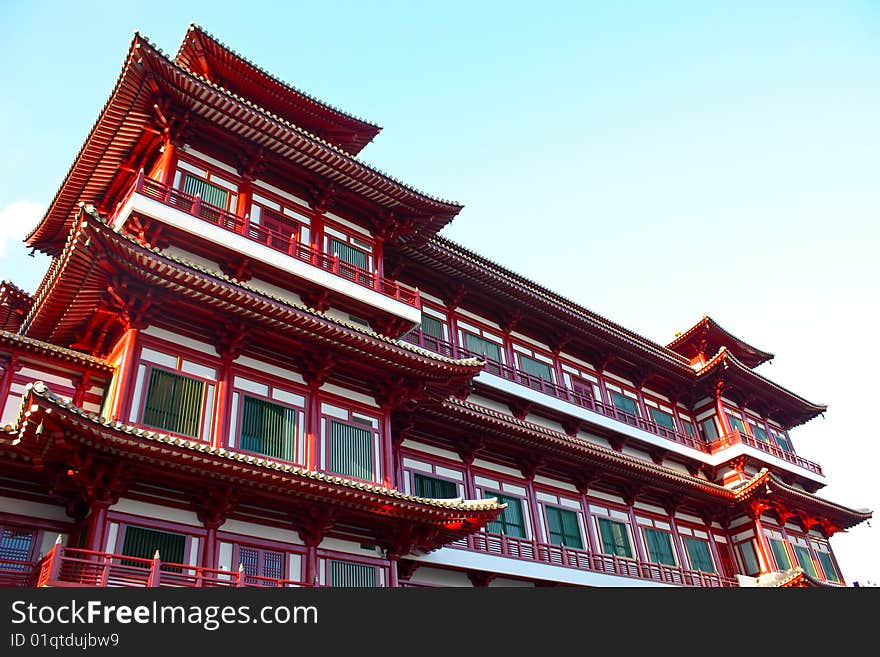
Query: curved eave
(768, 487)
(445, 256)
(40, 407)
(201, 52)
(621, 464)
(16, 341)
(129, 110)
(15, 304)
(708, 328)
(115, 132)
(728, 367)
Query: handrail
(288, 244)
(553, 389)
(560, 555)
(737, 437)
(66, 566)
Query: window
(699, 554)
(780, 554)
(749, 558)
(268, 428)
(261, 563)
(431, 487)
(535, 367)
(482, 347)
(349, 254)
(15, 545)
(143, 543)
(736, 423)
(760, 433)
(432, 326)
(804, 560)
(662, 418)
(208, 192)
(624, 403)
(351, 451)
(562, 527)
(615, 539)
(828, 566)
(688, 427)
(346, 573)
(510, 522)
(783, 441)
(710, 430)
(174, 403)
(659, 546)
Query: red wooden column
(529, 468)
(676, 537)
(127, 374)
(313, 432)
(9, 369)
(389, 473)
(168, 163)
(583, 487)
(719, 408)
(96, 525)
(629, 498)
(760, 539)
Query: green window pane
(351, 451)
(173, 403)
(688, 427)
(535, 367)
(736, 423)
(208, 192)
(268, 428)
(760, 433)
(262, 563)
(780, 554)
(477, 345)
(804, 560)
(346, 573)
(432, 326)
(143, 543)
(510, 522)
(433, 488)
(828, 567)
(15, 545)
(615, 539)
(699, 554)
(710, 430)
(348, 253)
(749, 558)
(625, 404)
(662, 418)
(783, 441)
(659, 546)
(562, 527)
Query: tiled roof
(38, 346)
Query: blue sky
(651, 161)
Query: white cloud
(16, 221)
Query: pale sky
(650, 161)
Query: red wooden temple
(253, 361)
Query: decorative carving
(215, 504)
(629, 493)
(394, 392)
(322, 197)
(406, 568)
(313, 523)
(617, 443)
(509, 319)
(237, 268)
(571, 426)
(454, 294)
(316, 367)
(229, 340)
(519, 408)
(529, 465)
(479, 578)
(467, 449)
(251, 163)
(317, 299)
(658, 454)
(390, 326)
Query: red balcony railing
(736, 437)
(288, 244)
(65, 566)
(16, 574)
(559, 555)
(554, 390)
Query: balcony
(559, 555)
(554, 390)
(155, 199)
(609, 410)
(736, 437)
(74, 567)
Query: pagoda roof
(16, 341)
(446, 257)
(69, 295)
(42, 411)
(782, 404)
(792, 578)
(764, 486)
(706, 337)
(202, 54)
(14, 305)
(147, 74)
